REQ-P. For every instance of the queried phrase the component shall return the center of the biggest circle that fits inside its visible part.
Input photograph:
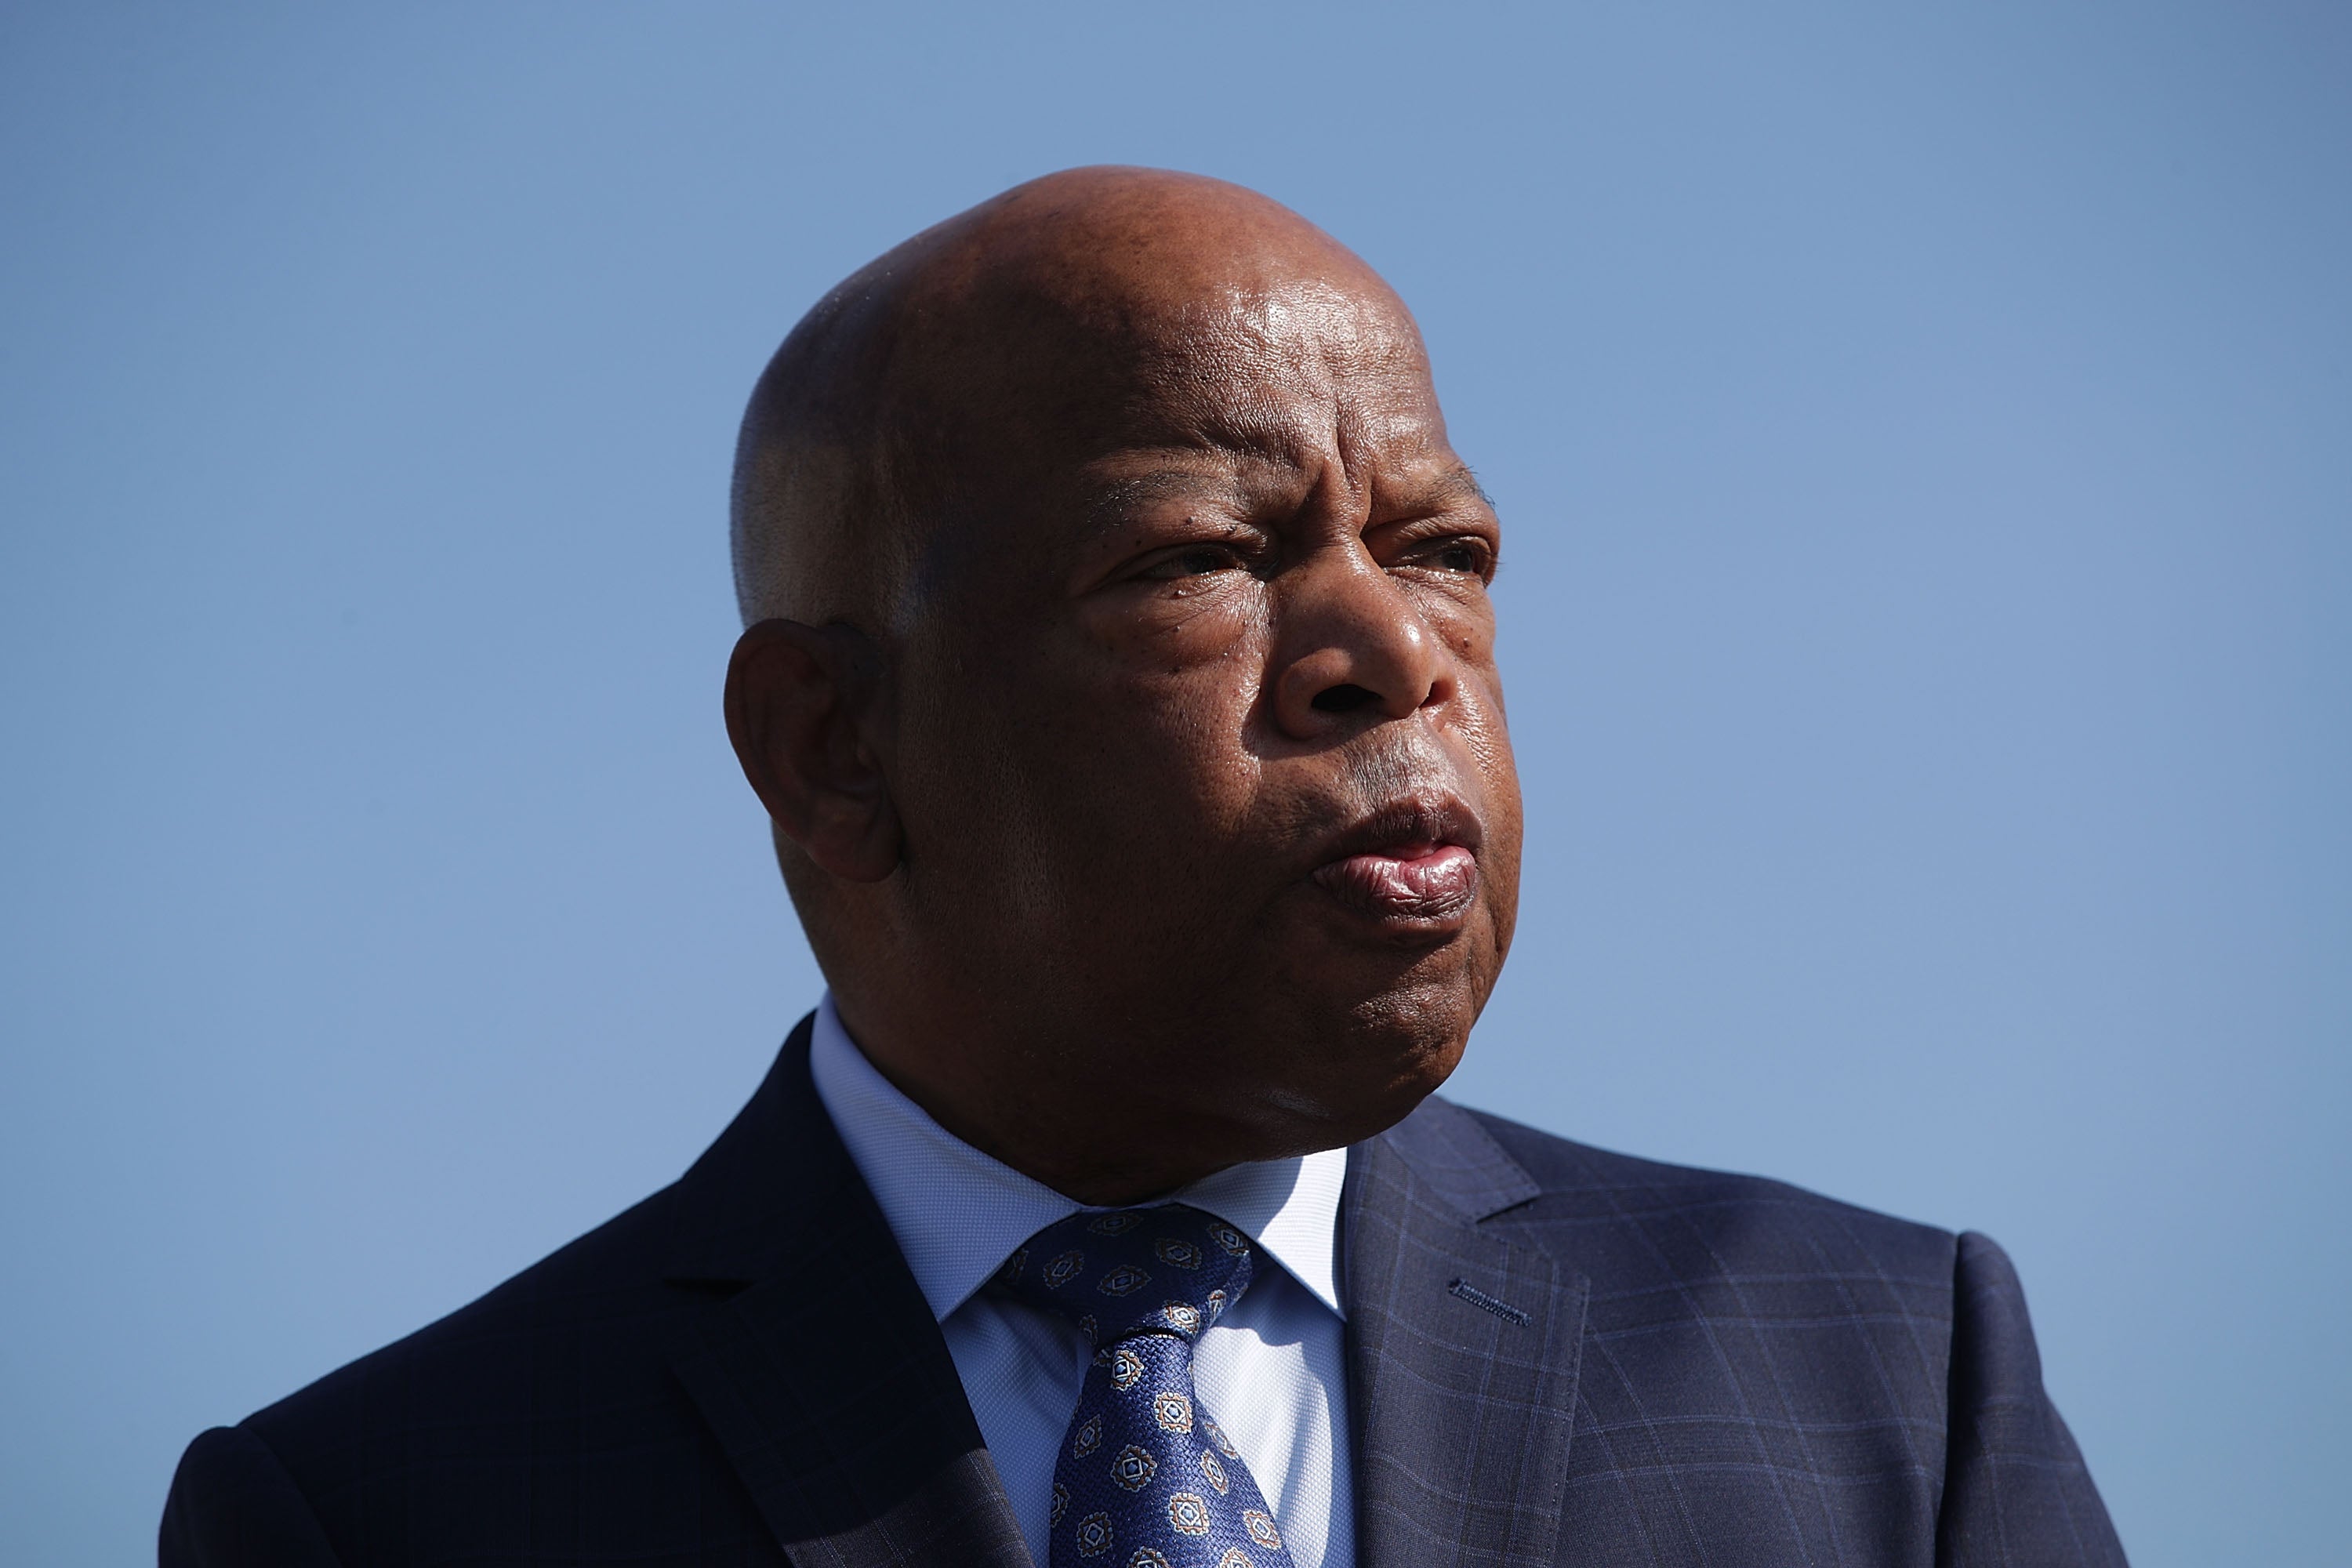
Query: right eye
(1192, 561)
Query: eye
(1192, 561)
(1465, 553)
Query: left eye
(1462, 555)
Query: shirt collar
(958, 1213)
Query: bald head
(907, 398)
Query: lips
(1412, 867)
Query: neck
(1063, 1133)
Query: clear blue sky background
(1924, 436)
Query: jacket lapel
(1462, 1353)
(817, 1365)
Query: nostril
(1343, 699)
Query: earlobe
(801, 702)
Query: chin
(1368, 1060)
(1325, 1035)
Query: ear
(801, 710)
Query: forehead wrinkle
(1332, 412)
(1274, 347)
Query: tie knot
(1116, 1273)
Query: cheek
(1163, 701)
(1489, 738)
(1464, 622)
(1196, 622)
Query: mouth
(1411, 869)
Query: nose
(1355, 650)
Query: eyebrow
(1117, 502)
(1459, 484)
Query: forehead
(1135, 311)
(1304, 374)
(1062, 410)
(1352, 349)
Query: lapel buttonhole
(1485, 1303)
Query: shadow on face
(1121, 681)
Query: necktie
(1145, 1479)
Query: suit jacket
(1556, 1355)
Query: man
(1120, 678)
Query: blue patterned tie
(1145, 1478)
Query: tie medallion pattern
(1146, 1478)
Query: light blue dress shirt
(1272, 1370)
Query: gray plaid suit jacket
(1556, 1355)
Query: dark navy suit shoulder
(1582, 1189)
(737, 1370)
(539, 1423)
(1771, 1376)
(608, 1277)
